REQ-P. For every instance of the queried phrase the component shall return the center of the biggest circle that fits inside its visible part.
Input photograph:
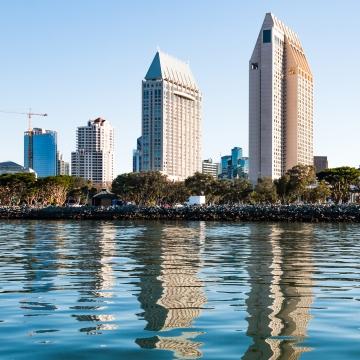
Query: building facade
(211, 168)
(137, 156)
(320, 163)
(94, 156)
(171, 119)
(63, 167)
(280, 102)
(40, 148)
(234, 166)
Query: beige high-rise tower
(280, 103)
(171, 119)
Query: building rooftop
(170, 68)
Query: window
(254, 66)
(266, 36)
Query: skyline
(81, 61)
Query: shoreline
(264, 213)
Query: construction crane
(29, 115)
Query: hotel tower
(171, 119)
(280, 103)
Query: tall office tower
(63, 167)
(94, 156)
(171, 119)
(40, 148)
(280, 103)
(137, 156)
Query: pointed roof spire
(167, 67)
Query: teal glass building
(40, 148)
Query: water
(155, 290)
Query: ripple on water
(171, 290)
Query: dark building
(137, 155)
(320, 163)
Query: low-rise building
(10, 167)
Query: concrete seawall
(286, 213)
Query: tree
(219, 191)
(282, 188)
(340, 179)
(239, 191)
(146, 188)
(294, 184)
(176, 193)
(300, 178)
(265, 191)
(14, 187)
(200, 184)
(320, 193)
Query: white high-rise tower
(94, 156)
(280, 103)
(171, 119)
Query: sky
(78, 60)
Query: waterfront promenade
(283, 213)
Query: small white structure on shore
(196, 200)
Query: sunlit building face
(280, 103)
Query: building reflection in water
(280, 271)
(171, 293)
(42, 266)
(98, 280)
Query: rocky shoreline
(284, 213)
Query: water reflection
(182, 290)
(280, 273)
(171, 293)
(97, 276)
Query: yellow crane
(29, 115)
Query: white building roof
(169, 68)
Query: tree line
(25, 189)
(299, 184)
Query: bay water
(179, 290)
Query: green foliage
(294, 185)
(265, 191)
(340, 179)
(238, 192)
(145, 188)
(200, 184)
(16, 189)
(319, 194)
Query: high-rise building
(137, 156)
(171, 119)
(63, 167)
(225, 167)
(40, 147)
(94, 156)
(280, 102)
(211, 168)
(235, 165)
(320, 163)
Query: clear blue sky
(82, 59)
